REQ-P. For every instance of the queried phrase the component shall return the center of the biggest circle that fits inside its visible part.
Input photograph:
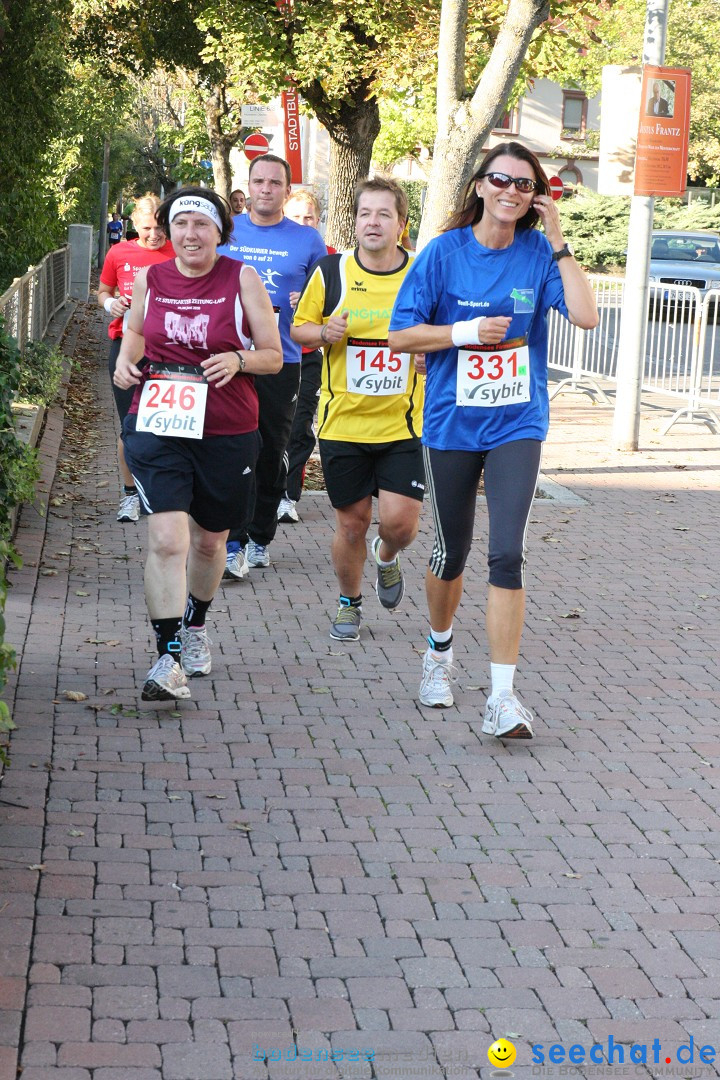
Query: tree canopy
(33, 75)
(693, 41)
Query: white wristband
(467, 333)
(109, 301)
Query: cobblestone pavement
(303, 859)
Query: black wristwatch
(566, 249)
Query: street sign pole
(633, 324)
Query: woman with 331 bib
(476, 302)
(205, 326)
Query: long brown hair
(471, 208)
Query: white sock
(501, 676)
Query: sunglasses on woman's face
(503, 181)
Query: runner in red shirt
(116, 284)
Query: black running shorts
(355, 470)
(212, 479)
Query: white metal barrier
(680, 352)
(703, 396)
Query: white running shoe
(257, 554)
(286, 511)
(195, 657)
(129, 508)
(506, 718)
(236, 566)
(165, 681)
(435, 688)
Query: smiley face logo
(502, 1054)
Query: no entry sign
(556, 187)
(255, 146)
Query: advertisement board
(663, 129)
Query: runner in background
(237, 201)
(283, 253)
(114, 230)
(476, 300)
(114, 294)
(370, 412)
(304, 208)
(206, 328)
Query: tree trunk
(220, 144)
(352, 136)
(464, 123)
(222, 173)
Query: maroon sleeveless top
(187, 320)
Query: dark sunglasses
(502, 180)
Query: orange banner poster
(293, 150)
(662, 142)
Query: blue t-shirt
(455, 279)
(115, 231)
(283, 255)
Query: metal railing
(680, 351)
(32, 300)
(703, 392)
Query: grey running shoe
(286, 511)
(236, 566)
(129, 508)
(165, 681)
(506, 718)
(195, 658)
(257, 554)
(390, 584)
(347, 623)
(435, 688)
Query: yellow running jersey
(368, 393)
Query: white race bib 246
(173, 403)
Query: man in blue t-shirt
(283, 253)
(114, 230)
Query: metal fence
(680, 352)
(32, 300)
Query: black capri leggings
(452, 477)
(123, 398)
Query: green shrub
(18, 475)
(597, 227)
(40, 373)
(414, 191)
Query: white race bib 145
(374, 370)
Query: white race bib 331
(489, 375)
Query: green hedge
(39, 373)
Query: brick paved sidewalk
(302, 855)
